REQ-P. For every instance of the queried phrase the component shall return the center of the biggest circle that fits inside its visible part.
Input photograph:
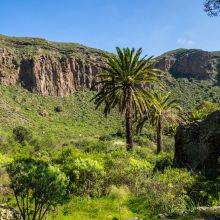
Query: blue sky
(155, 25)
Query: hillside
(46, 115)
(56, 118)
(47, 68)
(59, 69)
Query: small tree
(22, 134)
(38, 187)
(212, 7)
(163, 110)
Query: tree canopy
(212, 7)
(37, 186)
(124, 81)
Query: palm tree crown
(163, 110)
(124, 81)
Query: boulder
(197, 145)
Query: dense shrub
(205, 192)
(38, 187)
(119, 133)
(85, 174)
(58, 109)
(143, 141)
(163, 161)
(202, 111)
(120, 193)
(125, 169)
(92, 145)
(106, 137)
(164, 193)
(22, 134)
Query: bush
(124, 169)
(106, 137)
(92, 145)
(119, 133)
(85, 174)
(22, 134)
(165, 193)
(163, 161)
(143, 141)
(205, 192)
(37, 186)
(120, 193)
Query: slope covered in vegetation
(68, 137)
(55, 117)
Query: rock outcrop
(48, 68)
(188, 63)
(59, 69)
(8, 67)
(197, 145)
(49, 75)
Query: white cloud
(184, 41)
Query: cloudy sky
(155, 25)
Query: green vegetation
(25, 47)
(78, 119)
(164, 111)
(202, 111)
(73, 161)
(121, 81)
(37, 187)
(110, 182)
(191, 92)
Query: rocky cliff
(197, 145)
(48, 68)
(59, 69)
(188, 63)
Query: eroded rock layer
(47, 74)
(59, 69)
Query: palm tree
(124, 82)
(163, 110)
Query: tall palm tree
(163, 110)
(124, 82)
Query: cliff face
(48, 71)
(56, 76)
(188, 63)
(59, 69)
(8, 67)
(197, 145)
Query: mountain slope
(47, 68)
(59, 69)
(54, 118)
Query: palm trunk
(128, 121)
(159, 135)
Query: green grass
(191, 92)
(77, 119)
(98, 208)
(28, 47)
